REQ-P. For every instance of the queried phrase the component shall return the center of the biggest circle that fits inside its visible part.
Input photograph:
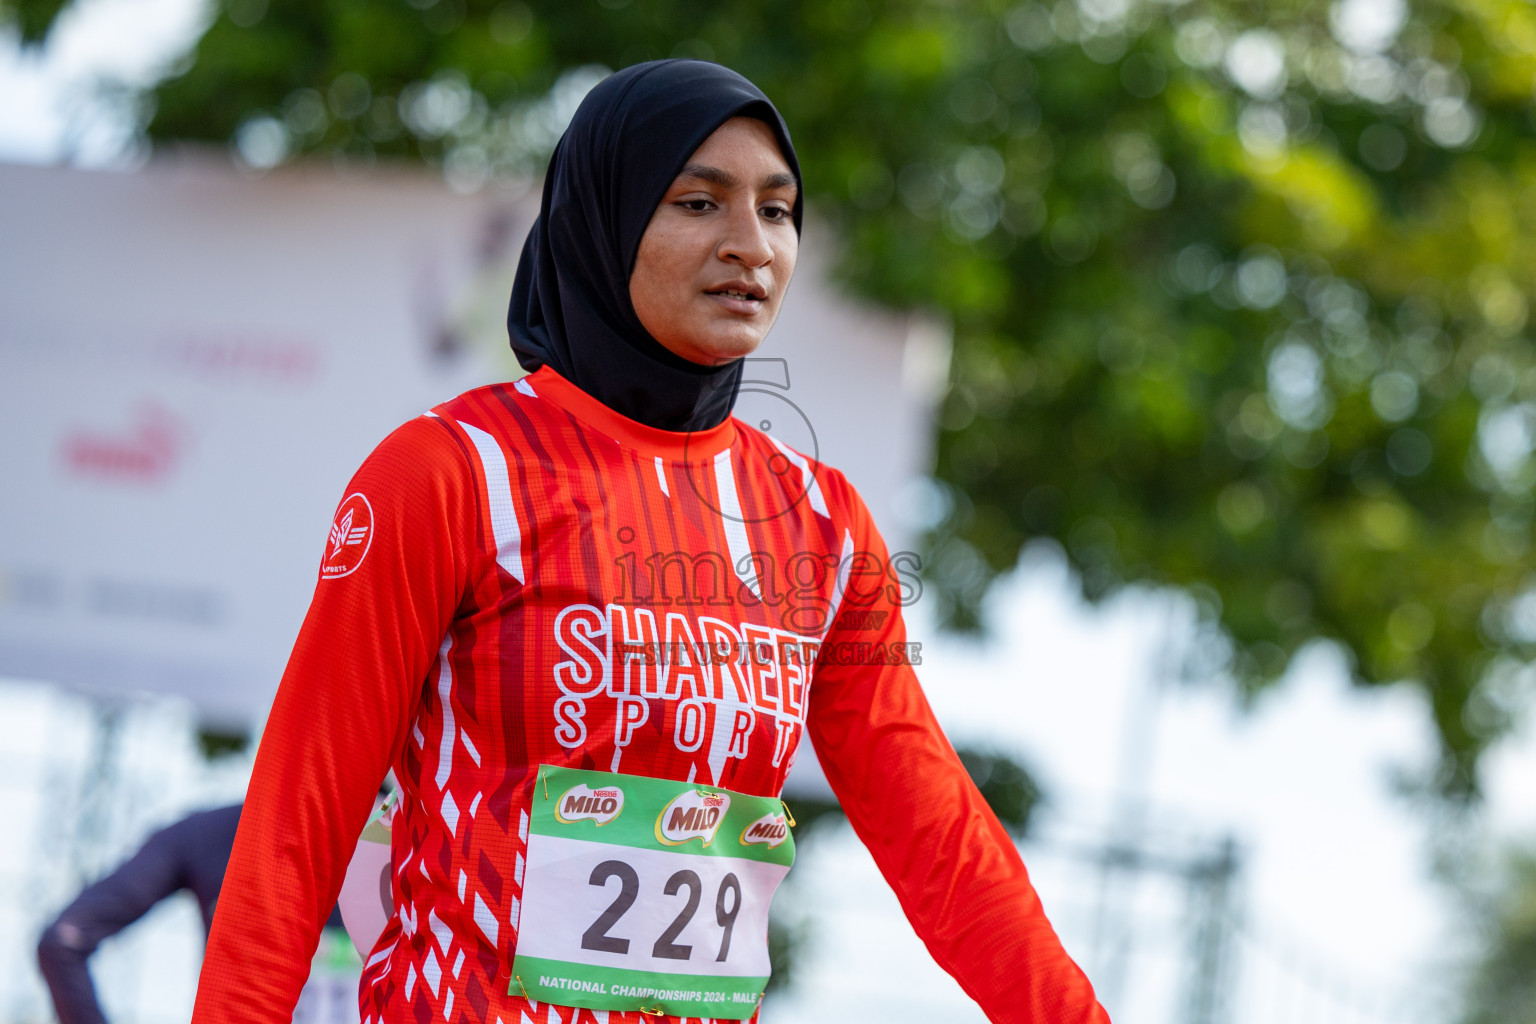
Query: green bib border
(621, 989)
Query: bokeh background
(1212, 401)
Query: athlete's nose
(745, 241)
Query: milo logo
(691, 815)
(770, 830)
(583, 803)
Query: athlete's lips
(739, 296)
(739, 289)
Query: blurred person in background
(464, 632)
(191, 854)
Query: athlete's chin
(716, 347)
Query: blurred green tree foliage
(1502, 988)
(1240, 291)
(33, 18)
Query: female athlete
(586, 616)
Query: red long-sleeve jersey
(524, 577)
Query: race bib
(366, 901)
(648, 894)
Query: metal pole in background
(98, 785)
(1120, 868)
(1211, 885)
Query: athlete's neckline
(668, 445)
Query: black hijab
(570, 301)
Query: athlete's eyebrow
(781, 180)
(713, 175)
(725, 179)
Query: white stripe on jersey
(844, 568)
(736, 539)
(807, 478)
(504, 528)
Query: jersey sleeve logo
(350, 538)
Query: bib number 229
(727, 906)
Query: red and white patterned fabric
(521, 577)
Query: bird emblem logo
(350, 538)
